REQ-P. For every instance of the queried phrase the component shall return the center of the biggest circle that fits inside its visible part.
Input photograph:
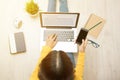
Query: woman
(56, 65)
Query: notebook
(17, 42)
(62, 24)
(94, 24)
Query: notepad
(94, 24)
(17, 42)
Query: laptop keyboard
(63, 36)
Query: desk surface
(100, 64)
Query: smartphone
(82, 35)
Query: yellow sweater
(78, 70)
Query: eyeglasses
(94, 44)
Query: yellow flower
(32, 7)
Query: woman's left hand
(51, 40)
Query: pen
(95, 26)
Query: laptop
(62, 24)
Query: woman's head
(56, 66)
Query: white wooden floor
(102, 63)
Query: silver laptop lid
(59, 20)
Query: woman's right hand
(51, 40)
(82, 47)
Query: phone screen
(82, 35)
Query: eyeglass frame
(94, 44)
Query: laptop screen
(59, 20)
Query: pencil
(95, 25)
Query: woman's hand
(83, 45)
(51, 40)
